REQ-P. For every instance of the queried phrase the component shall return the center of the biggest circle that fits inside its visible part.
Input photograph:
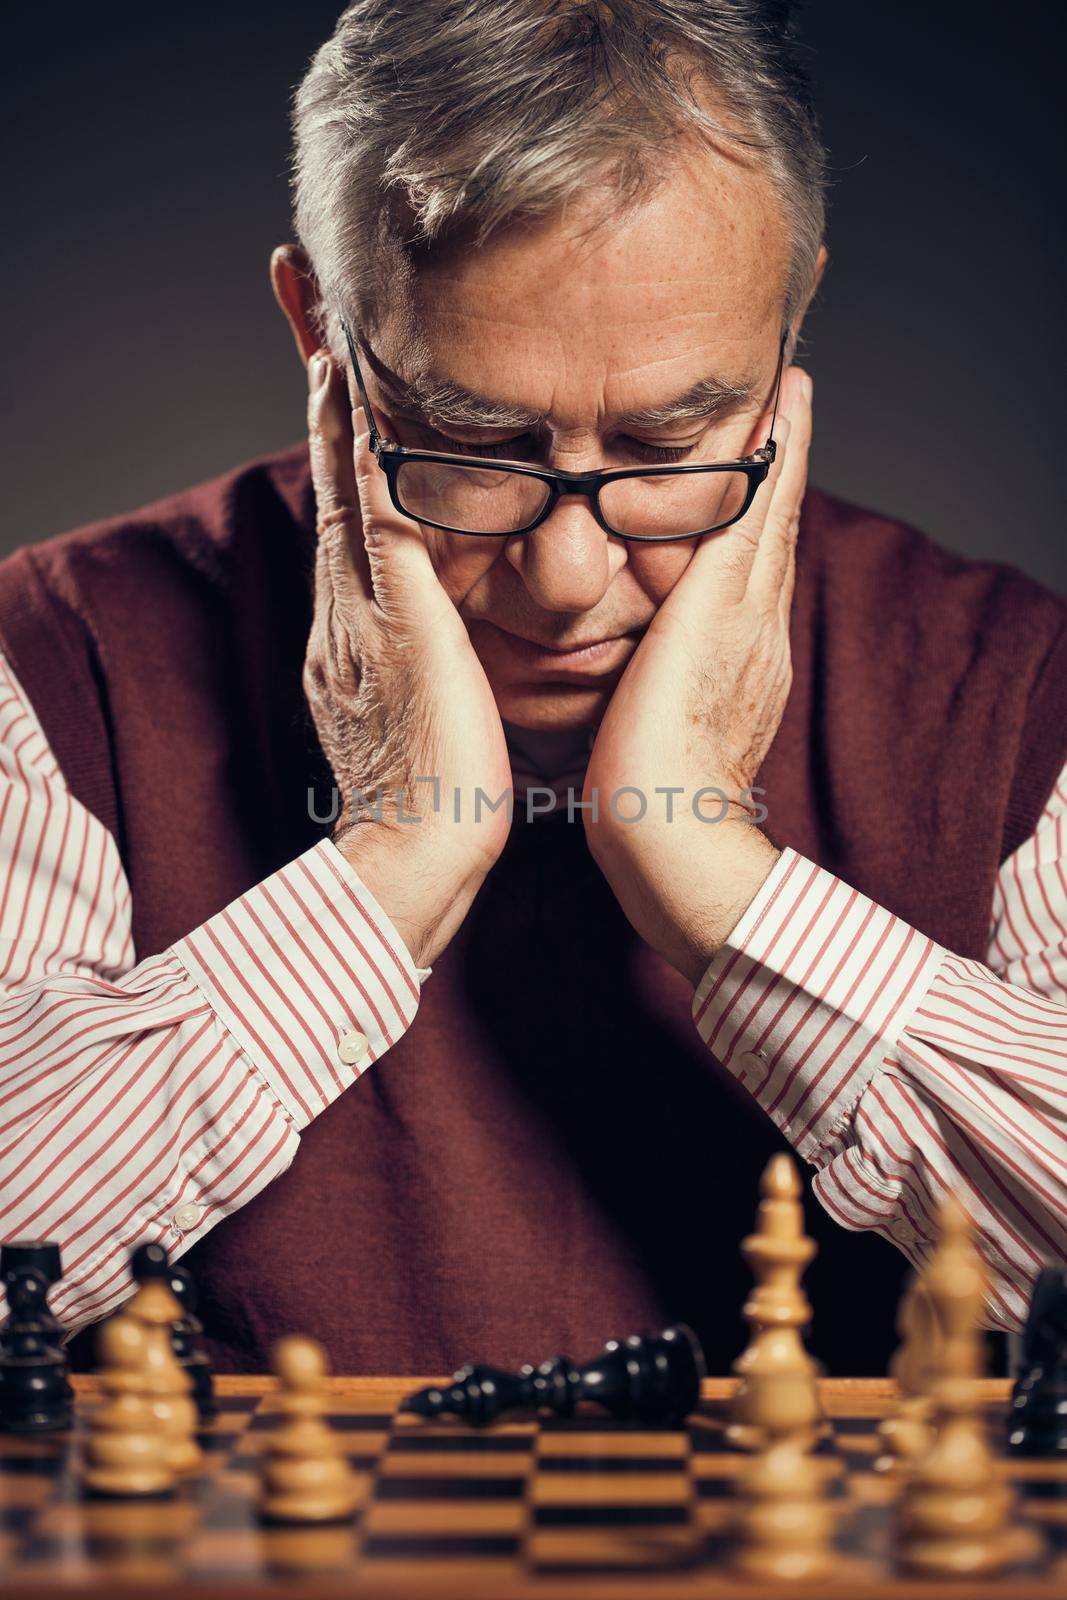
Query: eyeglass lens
(472, 500)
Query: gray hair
(419, 119)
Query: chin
(551, 708)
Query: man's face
(586, 330)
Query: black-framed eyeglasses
(499, 499)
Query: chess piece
(783, 1525)
(185, 1342)
(35, 1392)
(906, 1434)
(776, 1310)
(42, 1255)
(955, 1513)
(126, 1453)
(155, 1307)
(1037, 1424)
(305, 1474)
(645, 1378)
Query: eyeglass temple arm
(375, 437)
(778, 386)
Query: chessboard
(521, 1509)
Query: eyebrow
(441, 400)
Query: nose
(568, 563)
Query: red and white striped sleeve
(145, 1102)
(901, 1070)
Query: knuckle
(334, 516)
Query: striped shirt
(145, 1101)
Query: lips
(601, 655)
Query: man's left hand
(696, 710)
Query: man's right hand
(396, 691)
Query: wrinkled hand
(396, 691)
(697, 709)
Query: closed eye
(526, 444)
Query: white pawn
(906, 1434)
(305, 1474)
(125, 1452)
(168, 1384)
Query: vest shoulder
(201, 526)
(876, 567)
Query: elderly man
(441, 866)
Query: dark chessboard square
(599, 1424)
(714, 1488)
(425, 1488)
(16, 1519)
(239, 1402)
(433, 1547)
(707, 1443)
(610, 1516)
(216, 1443)
(461, 1443)
(1042, 1488)
(33, 1466)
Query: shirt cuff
(809, 996)
(309, 976)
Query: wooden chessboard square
(358, 1445)
(596, 1444)
(615, 1488)
(612, 1550)
(224, 1552)
(347, 1421)
(409, 1421)
(724, 1465)
(23, 1489)
(444, 1518)
(456, 1465)
(487, 1567)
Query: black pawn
(1037, 1424)
(43, 1256)
(150, 1263)
(652, 1378)
(35, 1391)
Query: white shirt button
(186, 1217)
(352, 1047)
(754, 1066)
(903, 1233)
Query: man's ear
(297, 292)
(820, 267)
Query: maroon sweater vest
(550, 1156)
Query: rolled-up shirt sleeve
(144, 1101)
(901, 1070)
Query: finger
(401, 572)
(722, 562)
(340, 558)
(773, 564)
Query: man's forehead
(424, 384)
(668, 311)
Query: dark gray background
(148, 185)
